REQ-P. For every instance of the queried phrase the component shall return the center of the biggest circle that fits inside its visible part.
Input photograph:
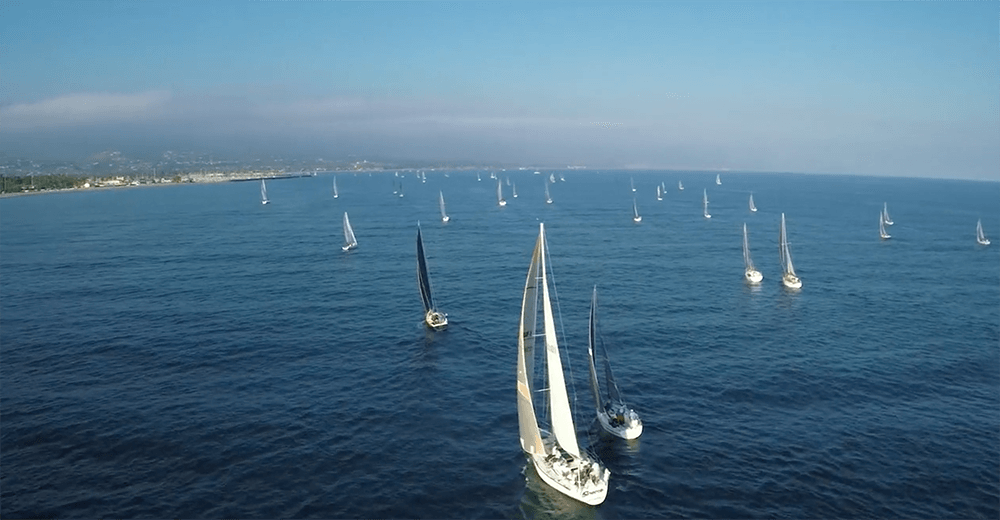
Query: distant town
(113, 169)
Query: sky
(866, 88)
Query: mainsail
(784, 256)
(423, 281)
(349, 240)
(747, 261)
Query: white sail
(631, 182)
(636, 217)
(704, 203)
(885, 214)
(548, 198)
(336, 193)
(789, 278)
(752, 207)
(513, 188)
(750, 272)
(659, 192)
(444, 216)
(980, 236)
(263, 192)
(680, 186)
(500, 199)
(349, 241)
(531, 437)
(718, 181)
(559, 410)
(881, 227)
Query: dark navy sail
(423, 281)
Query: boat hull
(561, 476)
(436, 320)
(753, 276)
(625, 431)
(791, 281)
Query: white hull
(445, 218)
(632, 428)
(636, 219)
(563, 475)
(264, 201)
(792, 282)
(753, 276)
(984, 241)
(436, 320)
(348, 247)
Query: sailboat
(750, 273)
(336, 193)
(680, 186)
(434, 318)
(548, 198)
(632, 183)
(881, 227)
(659, 192)
(614, 415)
(552, 178)
(349, 241)
(704, 204)
(752, 207)
(718, 181)
(980, 236)
(500, 200)
(556, 456)
(785, 257)
(444, 216)
(400, 188)
(513, 187)
(885, 214)
(263, 192)
(636, 217)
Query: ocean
(188, 352)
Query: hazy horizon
(861, 88)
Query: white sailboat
(614, 415)
(750, 273)
(788, 276)
(513, 188)
(636, 217)
(632, 183)
(881, 227)
(400, 188)
(434, 318)
(718, 181)
(336, 193)
(263, 192)
(704, 204)
(680, 186)
(444, 216)
(980, 236)
(500, 199)
(552, 178)
(885, 214)
(659, 192)
(548, 198)
(349, 241)
(752, 207)
(556, 456)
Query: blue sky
(880, 88)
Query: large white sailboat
(556, 456)
(788, 276)
(636, 217)
(980, 236)
(434, 318)
(444, 215)
(704, 203)
(349, 241)
(881, 227)
(752, 207)
(885, 214)
(263, 192)
(750, 273)
(500, 199)
(614, 415)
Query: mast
(746, 249)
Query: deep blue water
(187, 352)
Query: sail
(263, 191)
(752, 207)
(885, 213)
(423, 280)
(718, 181)
(349, 239)
(500, 193)
(531, 439)
(704, 201)
(595, 386)
(784, 255)
(980, 235)
(335, 192)
(548, 198)
(560, 412)
(881, 226)
(513, 188)
(746, 250)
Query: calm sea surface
(188, 352)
